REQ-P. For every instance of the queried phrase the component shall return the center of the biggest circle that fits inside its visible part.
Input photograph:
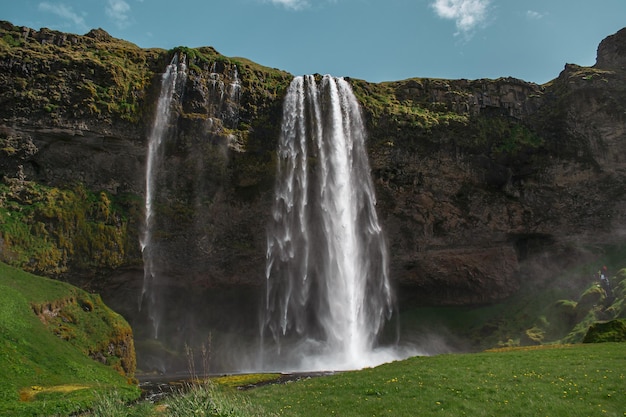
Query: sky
(374, 40)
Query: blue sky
(375, 40)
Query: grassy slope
(576, 380)
(42, 373)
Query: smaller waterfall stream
(172, 81)
(328, 291)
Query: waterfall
(172, 80)
(234, 97)
(328, 292)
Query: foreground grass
(208, 399)
(558, 380)
(574, 380)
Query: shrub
(611, 331)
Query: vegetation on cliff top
(431, 114)
(382, 102)
(94, 77)
(58, 76)
(54, 343)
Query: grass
(382, 100)
(572, 380)
(54, 377)
(43, 374)
(557, 380)
(113, 404)
(209, 399)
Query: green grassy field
(574, 380)
(558, 380)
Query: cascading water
(224, 98)
(328, 292)
(234, 96)
(172, 80)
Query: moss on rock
(47, 230)
(611, 331)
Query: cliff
(480, 183)
(507, 181)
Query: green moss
(535, 335)
(46, 230)
(11, 41)
(102, 75)
(501, 136)
(245, 380)
(517, 138)
(588, 300)
(560, 318)
(611, 331)
(381, 101)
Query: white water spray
(328, 291)
(172, 80)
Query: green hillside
(50, 334)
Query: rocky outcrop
(480, 183)
(612, 52)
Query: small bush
(533, 336)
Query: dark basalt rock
(612, 52)
(480, 183)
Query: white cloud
(466, 13)
(119, 11)
(531, 14)
(65, 12)
(291, 4)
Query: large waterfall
(328, 292)
(171, 81)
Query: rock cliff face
(517, 190)
(480, 183)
